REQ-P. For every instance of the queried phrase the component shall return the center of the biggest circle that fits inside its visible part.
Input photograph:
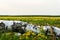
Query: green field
(38, 20)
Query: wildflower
(33, 34)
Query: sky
(29, 7)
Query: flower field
(29, 35)
(35, 20)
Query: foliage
(8, 36)
(30, 35)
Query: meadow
(35, 20)
(38, 20)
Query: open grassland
(30, 35)
(35, 20)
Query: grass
(39, 20)
(35, 20)
(26, 36)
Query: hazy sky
(32, 7)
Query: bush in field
(27, 36)
(40, 37)
(32, 36)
